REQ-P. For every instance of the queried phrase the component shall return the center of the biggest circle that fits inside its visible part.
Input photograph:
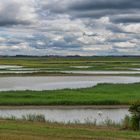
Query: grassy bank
(23, 130)
(35, 74)
(102, 94)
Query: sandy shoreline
(68, 107)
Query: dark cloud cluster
(105, 4)
(126, 19)
(99, 8)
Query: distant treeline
(69, 56)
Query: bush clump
(135, 119)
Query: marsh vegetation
(54, 65)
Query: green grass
(23, 130)
(65, 63)
(102, 94)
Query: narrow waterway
(60, 82)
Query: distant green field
(102, 94)
(21, 130)
(67, 63)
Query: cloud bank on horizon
(69, 27)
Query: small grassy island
(102, 94)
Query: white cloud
(125, 44)
(132, 28)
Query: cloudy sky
(70, 27)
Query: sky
(70, 27)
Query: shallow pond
(135, 71)
(71, 115)
(81, 67)
(60, 82)
(9, 66)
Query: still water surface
(60, 82)
(135, 71)
(71, 115)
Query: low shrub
(126, 122)
(34, 118)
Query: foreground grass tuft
(34, 118)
